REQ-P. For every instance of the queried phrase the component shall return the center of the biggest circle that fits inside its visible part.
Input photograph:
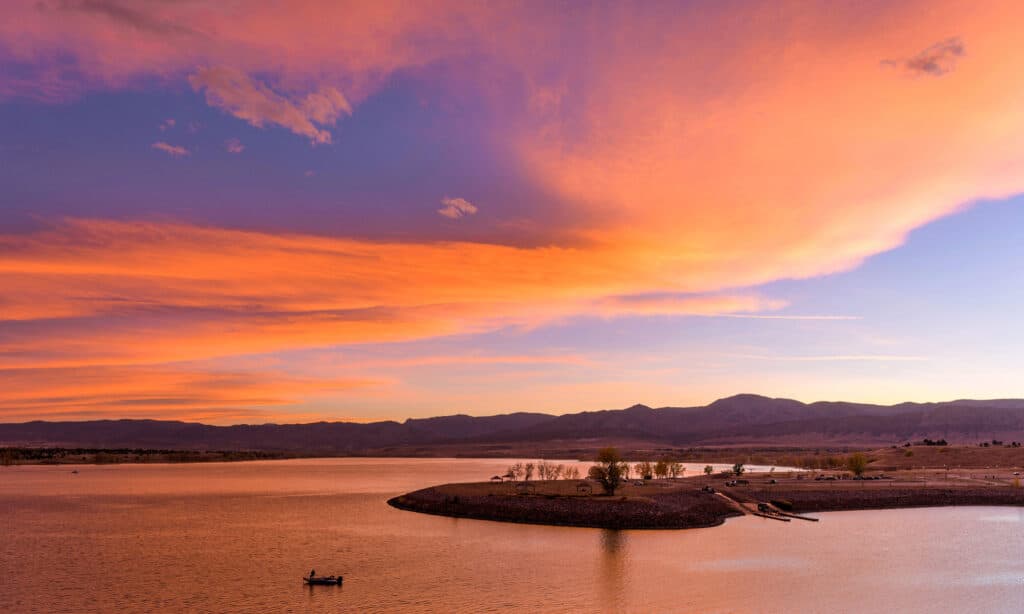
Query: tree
(528, 471)
(644, 470)
(675, 469)
(857, 463)
(572, 473)
(515, 471)
(708, 470)
(738, 469)
(608, 470)
(661, 468)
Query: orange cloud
(798, 153)
(158, 392)
(204, 292)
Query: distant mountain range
(747, 420)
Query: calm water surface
(239, 537)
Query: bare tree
(708, 470)
(528, 471)
(572, 473)
(675, 469)
(644, 470)
(661, 468)
(515, 471)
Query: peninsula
(913, 476)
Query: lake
(240, 536)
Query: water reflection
(613, 564)
(167, 539)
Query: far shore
(708, 500)
(54, 454)
(112, 456)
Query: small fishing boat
(322, 580)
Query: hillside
(738, 420)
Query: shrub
(857, 463)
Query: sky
(265, 211)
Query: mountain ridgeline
(739, 420)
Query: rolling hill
(738, 420)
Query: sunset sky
(259, 211)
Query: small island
(912, 476)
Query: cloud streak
(85, 291)
(157, 392)
(838, 358)
(176, 151)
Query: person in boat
(312, 573)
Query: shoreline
(684, 504)
(598, 512)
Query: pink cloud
(234, 146)
(455, 208)
(254, 102)
(173, 150)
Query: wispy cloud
(710, 305)
(248, 99)
(934, 61)
(759, 316)
(173, 150)
(835, 358)
(234, 146)
(167, 124)
(455, 208)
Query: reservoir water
(240, 536)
